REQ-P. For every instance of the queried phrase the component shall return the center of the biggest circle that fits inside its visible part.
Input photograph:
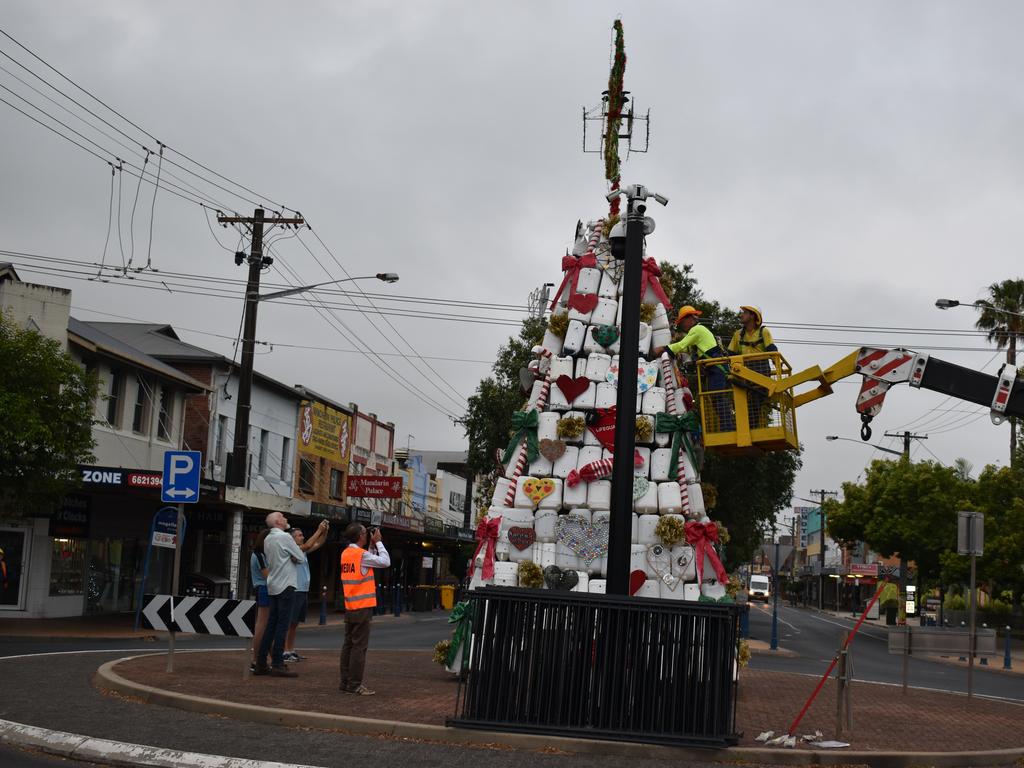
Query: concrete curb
(109, 679)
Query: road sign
(182, 471)
(165, 528)
(970, 533)
(199, 615)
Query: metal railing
(600, 666)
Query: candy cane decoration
(668, 380)
(542, 401)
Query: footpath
(415, 696)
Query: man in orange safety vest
(360, 591)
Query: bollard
(984, 659)
(962, 658)
(745, 621)
(396, 601)
(323, 605)
(1007, 662)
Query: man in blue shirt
(301, 600)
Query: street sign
(374, 486)
(199, 615)
(182, 473)
(165, 528)
(970, 533)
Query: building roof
(309, 394)
(161, 340)
(432, 458)
(87, 334)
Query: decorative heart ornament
(646, 376)
(552, 450)
(660, 560)
(640, 487)
(556, 578)
(588, 541)
(683, 563)
(520, 537)
(572, 388)
(526, 379)
(537, 489)
(606, 335)
(636, 580)
(583, 302)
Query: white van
(759, 588)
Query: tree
(1002, 316)
(489, 413)
(902, 509)
(46, 409)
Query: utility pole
(238, 466)
(906, 436)
(821, 555)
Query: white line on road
(782, 621)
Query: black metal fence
(600, 666)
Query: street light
(830, 438)
(237, 468)
(950, 303)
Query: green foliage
(955, 603)
(46, 410)
(488, 421)
(1002, 317)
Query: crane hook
(865, 427)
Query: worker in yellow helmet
(753, 338)
(701, 344)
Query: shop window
(307, 476)
(222, 431)
(67, 566)
(140, 416)
(264, 449)
(115, 396)
(166, 415)
(286, 451)
(337, 486)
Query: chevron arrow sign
(199, 615)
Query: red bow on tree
(702, 537)
(486, 538)
(572, 266)
(649, 278)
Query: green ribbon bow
(524, 426)
(723, 600)
(462, 619)
(678, 426)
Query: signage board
(324, 431)
(71, 520)
(182, 473)
(165, 528)
(864, 569)
(374, 487)
(970, 533)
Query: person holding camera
(360, 591)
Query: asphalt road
(814, 637)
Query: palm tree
(962, 468)
(1002, 316)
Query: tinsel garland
(441, 648)
(570, 427)
(646, 313)
(615, 103)
(710, 494)
(530, 575)
(559, 325)
(671, 530)
(643, 430)
(723, 534)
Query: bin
(447, 596)
(423, 599)
(207, 585)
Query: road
(814, 637)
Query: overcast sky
(835, 163)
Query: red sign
(864, 569)
(368, 486)
(144, 479)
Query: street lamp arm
(387, 277)
(830, 438)
(950, 303)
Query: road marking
(781, 620)
(139, 651)
(864, 631)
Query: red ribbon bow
(572, 266)
(649, 277)
(486, 537)
(702, 537)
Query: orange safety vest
(360, 591)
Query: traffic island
(415, 697)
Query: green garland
(671, 530)
(530, 575)
(615, 104)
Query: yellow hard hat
(685, 312)
(754, 311)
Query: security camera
(610, 197)
(617, 239)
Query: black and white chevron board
(199, 615)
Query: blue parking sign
(182, 471)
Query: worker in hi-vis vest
(753, 338)
(360, 590)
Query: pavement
(416, 696)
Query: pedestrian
(283, 555)
(258, 575)
(316, 541)
(360, 592)
(701, 344)
(754, 339)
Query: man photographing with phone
(364, 553)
